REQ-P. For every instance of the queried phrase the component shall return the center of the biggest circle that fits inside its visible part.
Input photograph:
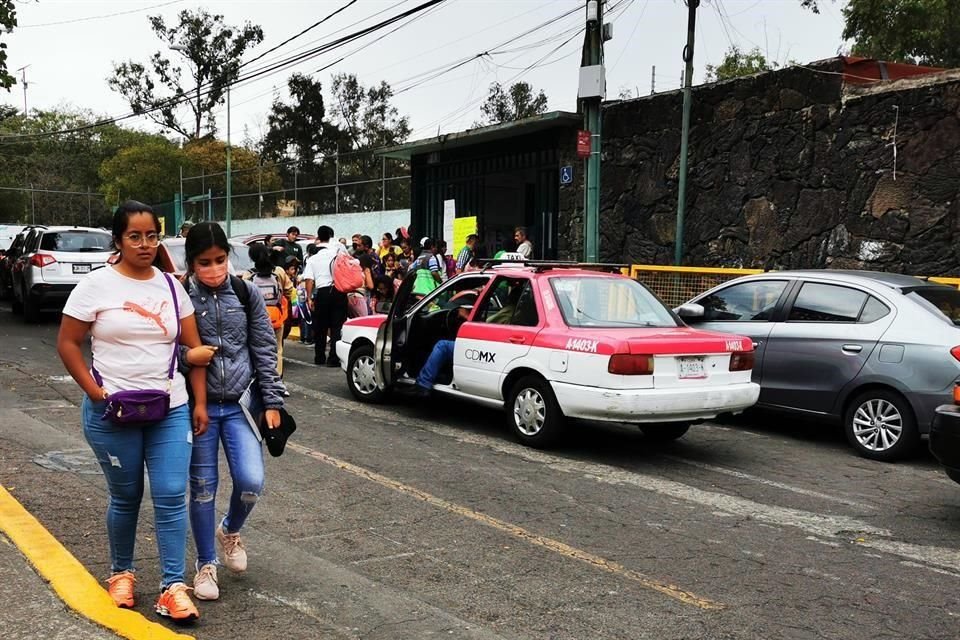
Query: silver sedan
(875, 351)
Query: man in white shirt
(524, 246)
(328, 305)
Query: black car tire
(358, 380)
(530, 397)
(664, 432)
(953, 474)
(888, 403)
(4, 290)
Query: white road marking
(770, 483)
(817, 525)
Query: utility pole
(592, 90)
(229, 173)
(23, 81)
(653, 80)
(685, 131)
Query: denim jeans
(122, 451)
(441, 356)
(245, 459)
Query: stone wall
(788, 170)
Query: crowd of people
(183, 366)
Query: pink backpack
(347, 274)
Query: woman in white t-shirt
(129, 311)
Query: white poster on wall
(449, 213)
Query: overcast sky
(70, 62)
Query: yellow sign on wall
(462, 227)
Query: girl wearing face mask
(242, 349)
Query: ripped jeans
(245, 459)
(122, 451)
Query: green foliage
(364, 116)
(299, 130)
(8, 20)
(148, 171)
(68, 162)
(516, 103)
(213, 50)
(918, 31)
(737, 63)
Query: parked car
(51, 263)
(550, 342)
(171, 257)
(877, 352)
(9, 259)
(945, 436)
(302, 239)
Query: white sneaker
(205, 583)
(234, 555)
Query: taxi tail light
(628, 364)
(741, 361)
(42, 260)
(955, 352)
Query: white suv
(51, 265)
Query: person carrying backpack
(327, 302)
(429, 269)
(232, 320)
(277, 290)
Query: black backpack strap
(241, 291)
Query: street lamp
(229, 208)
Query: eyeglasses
(138, 240)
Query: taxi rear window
(609, 302)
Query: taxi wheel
(361, 376)
(533, 412)
(880, 426)
(665, 432)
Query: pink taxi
(546, 342)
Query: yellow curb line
(70, 579)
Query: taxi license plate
(691, 368)
(81, 268)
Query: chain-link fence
(676, 285)
(35, 205)
(351, 182)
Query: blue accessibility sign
(566, 175)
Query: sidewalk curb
(70, 580)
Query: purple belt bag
(143, 405)
(131, 407)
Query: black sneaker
(319, 362)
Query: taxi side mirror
(690, 311)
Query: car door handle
(517, 339)
(852, 348)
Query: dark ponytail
(260, 255)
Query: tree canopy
(918, 31)
(515, 103)
(213, 51)
(738, 63)
(8, 20)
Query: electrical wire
(297, 35)
(101, 17)
(206, 88)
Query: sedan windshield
(943, 301)
(609, 302)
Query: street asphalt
(426, 520)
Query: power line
(101, 17)
(185, 97)
(295, 36)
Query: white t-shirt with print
(133, 329)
